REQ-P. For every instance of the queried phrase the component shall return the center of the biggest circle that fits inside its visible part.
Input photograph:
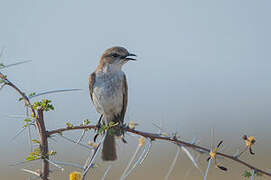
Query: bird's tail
(109, 148)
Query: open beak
(128, 58)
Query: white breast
(108, 93)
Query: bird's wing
(125, 98)
(91, 83)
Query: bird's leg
(122, 127)
(98, 125)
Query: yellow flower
(132, 125)
(212, 154)
(141, 141)
(250, 141)
(93, 145)
(75, 175)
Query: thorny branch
(154, 136)
(40, 125)
(44, 134)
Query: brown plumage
(108, 92)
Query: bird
(109, 93)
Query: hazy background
(201, 65)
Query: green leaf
(101, 130)
(44, 105)
(37, 151)
(86, 122)
(52, 153)
(27, 120)
(2, 79)
(112, 124)
(246, 174)
(32, 94)
(34, 155)
(69, 125)
(36, 141)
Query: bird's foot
(122, 128)
(98, 127)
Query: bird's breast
(108, 94)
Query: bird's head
(115, 57)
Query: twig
(96, 152)
(154, 136)
(40, 125)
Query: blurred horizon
(201, 65)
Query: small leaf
(37, 151)
(31, 94)
(246, 173)
(69, 125)
(86, 122)
(52, 153)
(36, 141)
(27, 120)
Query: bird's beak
(129, 58)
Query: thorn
(222, 168)
(219, 144)
(93, 157)
(106, 172)
(251, 152)
(54, 91)
(173, 163)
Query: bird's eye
(115, 55)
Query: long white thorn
(173, 163)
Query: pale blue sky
(201, 64)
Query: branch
(43, 145)
(40, 125)
(154, 136)
(26, 100)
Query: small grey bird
(108, 92)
